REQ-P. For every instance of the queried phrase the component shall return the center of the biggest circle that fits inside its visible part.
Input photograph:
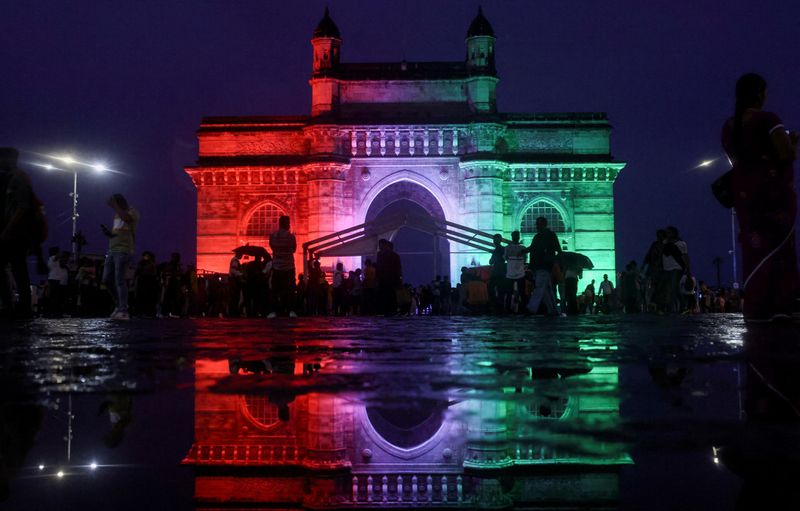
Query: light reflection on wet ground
(601, 412)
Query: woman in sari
(762, 152)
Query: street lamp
(732, 251)
(72, 164)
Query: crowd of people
(537, 279)
(261, 283)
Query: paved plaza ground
(664, 412)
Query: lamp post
(71, 163)
(732, 251)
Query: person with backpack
(23, 228)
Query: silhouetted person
(121, 238)
(146, 283)
(497, 279)
(235, 281)
(653, 266)
(763, 189)
(606, 294)
(544, 250)
(314, 288)
(57, 281)
(18, 230)
(283, 245)
(339, 290)
(370, 288)
(631, 288)
(389, 275)
(171, 277)
(256, 287)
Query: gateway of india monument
(418, 140)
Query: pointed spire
(326, 27)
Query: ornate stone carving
(544, 141)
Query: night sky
(126, 83)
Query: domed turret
(480, 46)
(482, 82)
(326, 42)
(327, 28)
(480, 26)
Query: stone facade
(432, 125)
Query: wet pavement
(605, 412)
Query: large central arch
(402, 176)
(404, 190)
(424, 255)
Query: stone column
(483, 204)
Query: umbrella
(576, 261)
(253, 250)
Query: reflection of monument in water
(529, 446)
(424, 134)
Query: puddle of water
(601, 413)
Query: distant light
(41, 467)
(60, 474)
(48, 166)
(705, 163)
(66, 159)
(99, 167)
(716, 460)
(93, 466)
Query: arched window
(260, 411)
(541, 208)
(261, 223)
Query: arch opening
(423, 255)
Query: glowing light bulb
(705, 163)
(41, 467)
(67, 159)
(60, 474)
(93, 466)
(99, 167)
(48, 167)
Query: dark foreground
(425, 412)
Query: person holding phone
(121, 239)
(765, 199)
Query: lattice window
(541, 208)
(261, 411)
(262, 222)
